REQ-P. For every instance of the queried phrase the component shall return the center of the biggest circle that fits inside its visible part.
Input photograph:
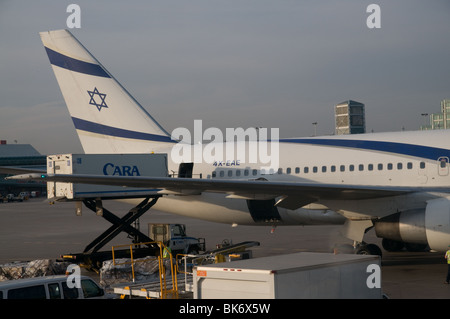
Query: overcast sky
(232, 63)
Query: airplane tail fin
(106, 117)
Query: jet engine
(417, 229)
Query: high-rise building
(439, 121)
(350, 118)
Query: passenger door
(443, 166)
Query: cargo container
(300, 275)
(103, 164)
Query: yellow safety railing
(163, 250)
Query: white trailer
(103, 164)
(300, 275)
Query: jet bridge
(92, 196)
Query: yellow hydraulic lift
(171, 277)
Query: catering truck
(300, 275)
(103, 164)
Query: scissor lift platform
(152, 289)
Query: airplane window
(230, 173)
(246, 172)
(380, 167)
(238, 172)
(361, 167)
(280, 171)
(222, 174)
(333, 168)
(389, 166)
(342, 168)
(370, 167)
(288, 170)
(409, 165)
(213, 174)
(255, 172)
(422, 165)
(324, 169)
(315, 169)
(351, 168)
(399, 166)
(306, 170)
(297, 170)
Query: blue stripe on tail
(72, 64)
(118, 132)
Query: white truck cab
(174, 236)
(49, 287)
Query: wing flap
(294, 202)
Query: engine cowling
(421, 226)
(437, 223)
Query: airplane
(395, 182)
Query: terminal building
(20, 155)
(350, 118)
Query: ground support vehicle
(174, 237)
(50, 287)
(301, 275)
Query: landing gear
(355, 230)
(368, 249)
(358, 248)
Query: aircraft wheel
(369, 249)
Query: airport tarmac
(34, 229)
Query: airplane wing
(292, 194)
(19, 170)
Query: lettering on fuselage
(120, 170)
(227, 163)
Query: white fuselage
(383, 159)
